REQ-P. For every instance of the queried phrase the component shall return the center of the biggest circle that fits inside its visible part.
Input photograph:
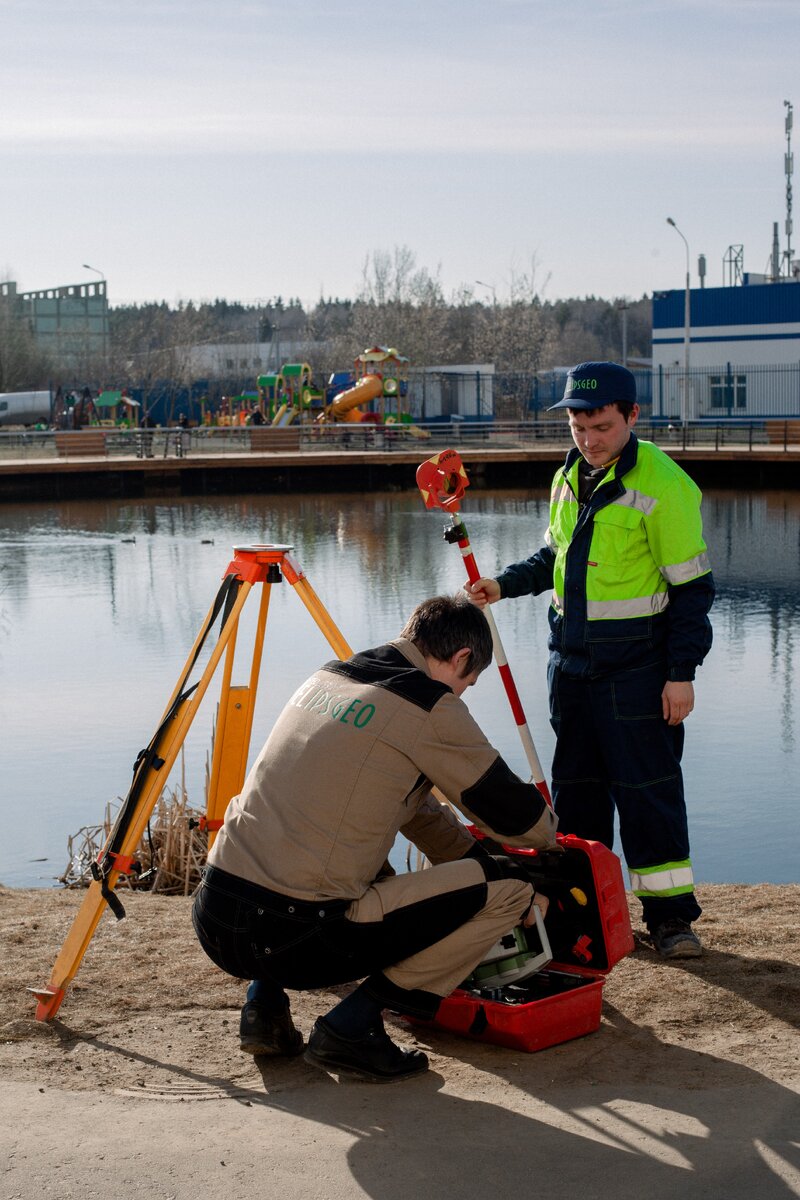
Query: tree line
(399, 304)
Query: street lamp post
(623, 308)
(275, 342)
(687, 327)
(95, 271)
(491, 288)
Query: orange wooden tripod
(266, 565)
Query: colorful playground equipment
(271, 393)
(378, 373)
(345, 405)
(233, 410)
(288, 394)
(373, 391)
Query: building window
(728, 391)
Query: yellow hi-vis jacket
(629, 569)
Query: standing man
(631, 590)
(298, 892)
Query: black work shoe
(372, 1056)
(676, 939)
(262, 1032)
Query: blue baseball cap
(594, 384)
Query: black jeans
(253, 933)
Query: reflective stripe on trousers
(668, 879)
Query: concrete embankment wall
(344, 472)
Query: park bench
(81, 443)
(265, 437)
(783, 433)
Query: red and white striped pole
(442, 481)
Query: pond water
(100, 602)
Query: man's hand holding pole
(483, 591)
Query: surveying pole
(443, 481)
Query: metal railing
(213, 442)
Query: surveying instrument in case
(251, 565)
(587, 931)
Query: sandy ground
(690, 1086)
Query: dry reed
(171, 854)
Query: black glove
(498, 866)
(477, 850)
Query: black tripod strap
(149, 757)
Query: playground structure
(108, 408)
(116, 408)
(288, 394)
(233, 410)
(374, 391)
(379, 375)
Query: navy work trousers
(615, 750)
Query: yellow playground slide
(345, 404)
(285, 415)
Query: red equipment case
(564, 1000)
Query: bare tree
(155, 354)
(403, 306)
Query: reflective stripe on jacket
(618, 562)
(632, 539)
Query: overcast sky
(192, 149)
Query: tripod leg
(237, 704)
(233, 729)
(318, 611)
(210, 617)
(235, 718)
(91, 910)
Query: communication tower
(733, 266)
(789, 164)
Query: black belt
(243, 889)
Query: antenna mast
(789, 163)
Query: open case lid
(588, 923)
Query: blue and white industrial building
(744, 351)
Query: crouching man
(298, 893)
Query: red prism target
(443, 481)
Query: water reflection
(100, 601)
